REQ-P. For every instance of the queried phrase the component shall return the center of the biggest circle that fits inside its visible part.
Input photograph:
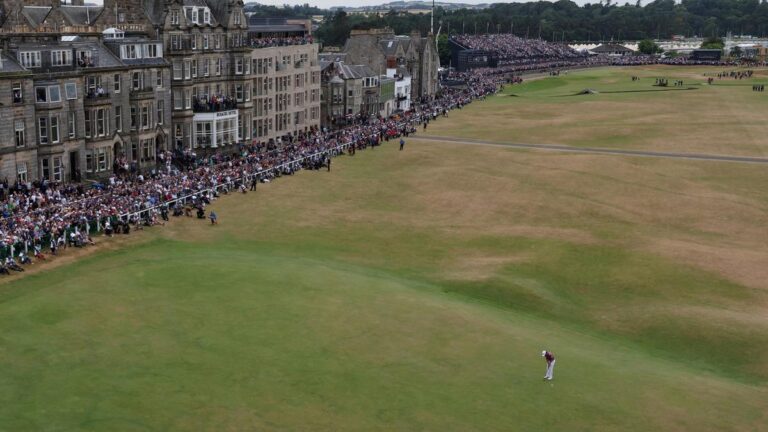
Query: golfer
(550, 358)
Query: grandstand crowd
(519, 55)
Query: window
(54, 94)
(102, 159)
(17, 94)
(237, 18)
(176, 42)
(218, 67)
(187, 69)
(239, 92)
(206, 16)
(205, 41)
(152, 51)
(177, 70)
(57, 169)
(206, 67)
(88, 126)
(41, 94)
(175, 17)
(72, 125)
(118, 118)
(92, 83)
(29, 59)
(160, 111)
(70, 89)
(194, 15)
(42, 130)
(61, 58)
(239, 66)
(130, 52)
(55, 129)
(193, 41)
(21, 172)
(159, 78)
(134, 114)
(194, 68)
(45, 171)
(148, 149)
(116, 83)
(101, 128)
(217, 41)
(178, 100)
(138, 81)
(145, 117)
(18, 129)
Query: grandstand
(492, 50)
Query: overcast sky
(353, 3)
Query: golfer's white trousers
(550, 370)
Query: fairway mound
(586, 91)
(653, 90)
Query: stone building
(286, 90)
(107, 87)
(381, 49)
(349, 91)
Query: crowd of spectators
(266, 42)
(512, 49)
(213, 103)
(52, 216)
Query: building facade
(381, 49)
(93, 90)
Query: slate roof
(35, 14)
(155, 11)
(9, 64)
(81, 15)
(355, 71)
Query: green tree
(647, 46)
(713, 43)
(443, 50)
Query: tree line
(566, 21)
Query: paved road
(598, 150)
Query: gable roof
(81, 15)
(35, 15)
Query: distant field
(415, 290)
(724, 118)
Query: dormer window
(206, 16)
(175, 17)
(237, 18)
(130, 52)
(29, 58)
(61, 58)
(194, 15)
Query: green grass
(723, 119)
(414, 291)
